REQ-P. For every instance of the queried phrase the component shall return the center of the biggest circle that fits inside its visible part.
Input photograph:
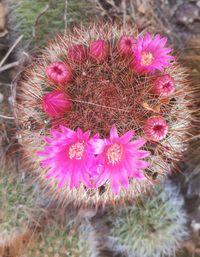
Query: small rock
(10, 100)
(1, 98)
(196, 227)
(186, 13)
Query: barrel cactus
(155, 227)
(102, 113)
(62, 240)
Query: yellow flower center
(76, 151)
(147, 58)
(114, 153)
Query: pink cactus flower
(59, 73)
(77, 53)
(156, 128)
(125, 45)
(69, 157)
(55, 103)
(150, 54)
(98, 50)
(120, 159)
(164, 86)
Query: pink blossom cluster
(74, 156)
(148, 54)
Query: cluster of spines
(57, 103)
(154, 227)
(61, 239)
(156, 95)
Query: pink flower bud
(77, 53)
(98, 50)
(156, 128)
(125, 45)
(55, 103)
(59, 73)
(164, 86)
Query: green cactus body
(152, 230)
(17, 199)
(59, 241)
(39, 20)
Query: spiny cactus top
(155, 229)
(104, 112)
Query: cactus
(103, 79)
(17, 205)
(154, 227)
(39, 20)
(62, 241)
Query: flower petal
(113, 133)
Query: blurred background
(34, 226)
